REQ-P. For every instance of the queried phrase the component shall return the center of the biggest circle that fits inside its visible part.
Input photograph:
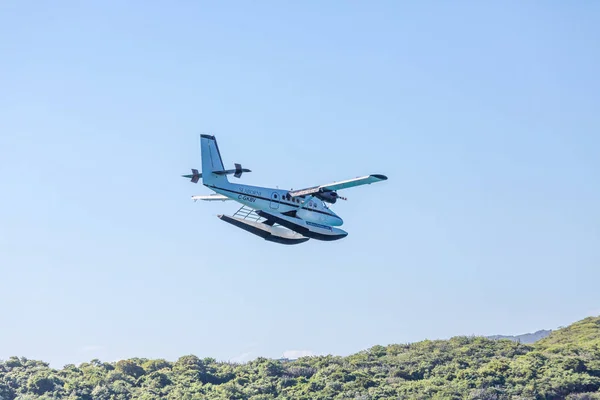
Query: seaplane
(276, 215)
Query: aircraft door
(274, 201)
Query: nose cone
(335, 220)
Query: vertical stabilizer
(211, 161)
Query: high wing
(210, 197)
(363, 180)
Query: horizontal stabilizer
(210, 197)
(237, 172)
(194, 177)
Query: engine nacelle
(327, 196)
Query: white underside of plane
(280, 216)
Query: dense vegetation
(565, 365)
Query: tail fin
(211, 161)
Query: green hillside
(582, 334)
(564, 365)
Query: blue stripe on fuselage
(258, 194)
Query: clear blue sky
(484, 116)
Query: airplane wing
(210, 197)
(363, 180)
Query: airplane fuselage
(278, 201)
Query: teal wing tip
(380, 176)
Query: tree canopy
(564, 365)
